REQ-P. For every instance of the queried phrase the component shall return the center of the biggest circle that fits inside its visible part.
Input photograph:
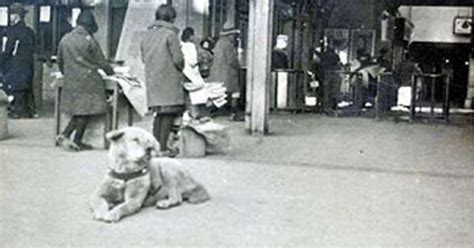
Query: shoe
(59, 139)
(67, 144)
(14, 116)
(170, 153)
(84, 146)
(204, 119)
(32, 116)
(236, 118)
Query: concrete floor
(315, 182)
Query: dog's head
(131, 149)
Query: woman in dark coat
(225, 68)
(83, 94)
(164, 62)
(17, 63)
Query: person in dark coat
(225, 68)
(164, 62)
(279, 54)
(83, 94)
(17, 63)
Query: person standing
(205, 57)
(83, 94)
(164, 63)
(17, 63)
(279, 53)
(194, 81)
(225, 68)
(191, 62)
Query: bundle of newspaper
(132, 88)
(214, 92)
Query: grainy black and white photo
(236, 123)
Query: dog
(138, 177)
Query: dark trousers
(77, 123)
(20, 105)
(163, 125)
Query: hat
(283, 37)
(87, 20)
(18, 8)
(229, 31)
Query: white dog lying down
(137, 178)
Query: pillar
(258, 64)
(468, 103)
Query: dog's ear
(114, 135)
(154, 146)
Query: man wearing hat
(83, 94)
(17, 63)
(225, 68)
(279, 55)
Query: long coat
(79, 58)
(164, 62)
(225, 67)
(17, 61)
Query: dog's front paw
(98, 215)
(164, 204)
(111, 217)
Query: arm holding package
(99, 58)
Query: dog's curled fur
(138, 178)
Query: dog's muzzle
(129, 175)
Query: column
(258, 74)
(468, 103)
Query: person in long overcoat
(164, 63)
(83, 93)
(225, 67)
(17, 62)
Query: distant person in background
(191, 62)
(225, 68)
(194, 81)
(407, 69)
(330, 60)
(17, 63)
(83, 93)
(205, 57)
(164, 63)
(279, 53)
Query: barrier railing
(426, 88)
(287, 89)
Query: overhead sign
(462, 25)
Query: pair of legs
(234, 100)
(77, 124)
(22, 105)
(199, 112)
(163, 125)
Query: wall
(140, 14)
(435, 24)
(354, 14)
